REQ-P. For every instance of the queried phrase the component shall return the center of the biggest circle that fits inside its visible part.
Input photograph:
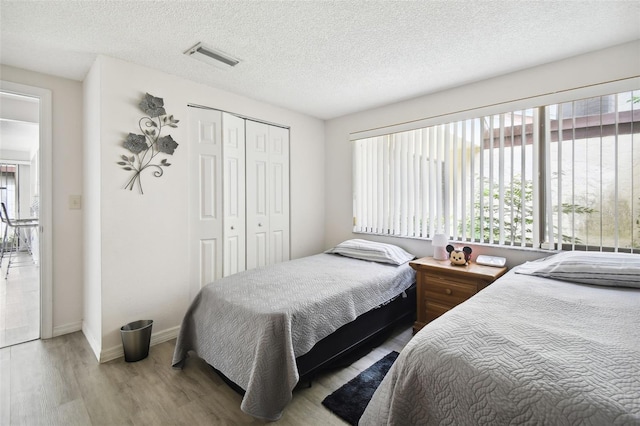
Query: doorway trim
(45, 195)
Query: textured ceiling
(322, 58)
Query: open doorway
(20, 285)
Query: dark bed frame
(352, 340)
(357, 337)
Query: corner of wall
(117, 351)
(93, 342)
(92, 282)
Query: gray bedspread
(252, 325)
(526, 350)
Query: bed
(556, 341)
(263, 329)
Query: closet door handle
(259, 224)
(232, 228)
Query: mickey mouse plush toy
(459, 256)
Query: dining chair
(18, 225)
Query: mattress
(251, 326)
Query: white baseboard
(67, 328)
(165, 335)
(95, 346)
(117, 351)
(112, 353)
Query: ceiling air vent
(212, 56)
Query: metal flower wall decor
(150, 143)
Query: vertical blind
(539, 177)
(593, 173)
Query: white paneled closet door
(205, 197)
(233, 148)
(278, 194)
(267, 188)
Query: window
(563, 175)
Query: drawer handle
(448, 291)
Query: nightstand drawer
(442, 278)
(450, 292)
(435, 309)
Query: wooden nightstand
(441, 286)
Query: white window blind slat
(417, 178)
(424, 194)
(410, 184)
(443, 177)
(559, 176)
(397, 185)
(386, 185)
(357, 186)
(368, 191)
(491, 173)
(481, 183)
(600, 164)
(537, 210)
(523, 184)
(549, 237)
(454, 152)
(433, 184)
(404, 187)
(379, 191)
(573, 176)
(501, 182)
(512, 178)
(463, 181)
(617, 177)
(476, 141)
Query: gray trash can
(136, 337)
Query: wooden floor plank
(5, 386)
(19, 304)
(59, 381)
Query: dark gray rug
(350, 401)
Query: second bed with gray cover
(526, 350)
(251, 326)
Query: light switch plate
(75, 202)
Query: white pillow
(373, 251)
(598, 268)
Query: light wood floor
(59, 382)
(19, 303)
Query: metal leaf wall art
(150, 143)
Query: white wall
(10, 155)
(619, 62)
(139, 248)
(67, 180)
